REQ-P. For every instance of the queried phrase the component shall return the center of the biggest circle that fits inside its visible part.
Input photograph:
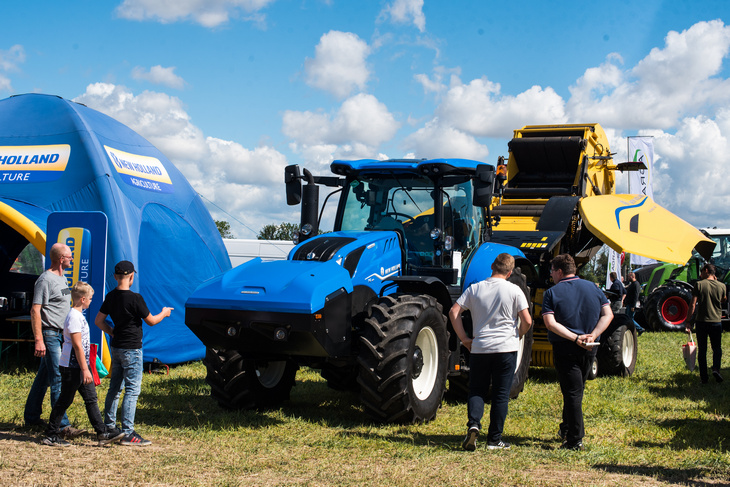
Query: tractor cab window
(405, 203)
(721, 253)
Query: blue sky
(233, 90)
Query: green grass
(659, 426)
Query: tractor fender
(479, 266)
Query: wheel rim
(425, 363)
(674, 310)
(594, 366)
(627, 353)
(520, 351)
(270, 374)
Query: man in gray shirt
(51, 304)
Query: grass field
(659, 427)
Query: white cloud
(208, 13)
(339, 65)
(9, 61)
(479, 109)
(438, 140)
(357, 129)
(159, 76)
(669, 84)
(406, 12)
(246, 183)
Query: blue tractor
(367, 303)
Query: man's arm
(455, 317)
(37, 327)
(525, 321)
(152, 320)
(603, 321)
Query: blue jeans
(496, 370)
(126, 370)
(630, 313)
(48, 374)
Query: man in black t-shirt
(127, 310)
(633, 290)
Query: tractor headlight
(449, 243)
(307, 229)
(436, 233)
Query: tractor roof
(419, 166)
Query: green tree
(595, 269)
(224, 228)
(283, 231)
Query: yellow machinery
(556, 194)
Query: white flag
(641, 149)
(614, 265)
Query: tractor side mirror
(293, 181)
(483, 183)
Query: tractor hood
(315, 270)
(283, 285)
(637, 225)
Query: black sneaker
(109, 436)
(36, 424)
(470, 441)
(55, 440)
(717, 376)
(69, 432)
(577, 446)
(500, 445)
(133, 439)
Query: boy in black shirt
(127, 309)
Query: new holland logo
(33, 163)
(142, 172)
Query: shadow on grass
(186, 402)
(11, 431)
(663, 474)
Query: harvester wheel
(619, 347)
(667, 307)
(403, 359)
(238, 383)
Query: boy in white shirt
(76, 373)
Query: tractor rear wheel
(667, 307)
(619, 347)
(239, 383)
(403, 359)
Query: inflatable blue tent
(57, 155)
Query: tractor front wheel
(667, 307)
(240, 383)
(403, 359)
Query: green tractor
(667, 288)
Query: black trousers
(72, 381)
(573, 364)
(495, 370)
(713, 331)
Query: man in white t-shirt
(495, 305)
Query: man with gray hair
(51, 304)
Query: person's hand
(166, 311)
(583, 339)
(687, 328)
(40, 349)
(87, 377)
(467, 343)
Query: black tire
(619, 348)
(403, 359)
(593, 371)
(667, 307)
(239, 383)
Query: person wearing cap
(127, 310)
